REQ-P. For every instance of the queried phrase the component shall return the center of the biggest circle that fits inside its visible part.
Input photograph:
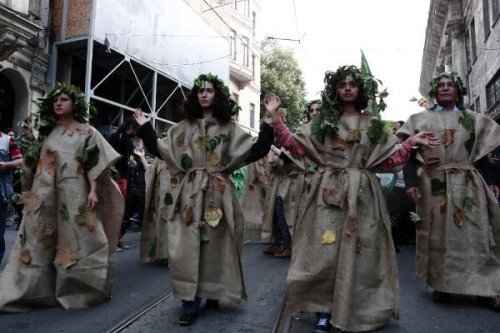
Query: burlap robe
(205, 260)
(154, 230)
(288, 180)
(258, 180)
(460, 215)
(65, 254)
(343, 259)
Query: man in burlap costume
(458, 232)
(205, 219)
(65, 251)
(343, 264)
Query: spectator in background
(134, 203)
(121, 141)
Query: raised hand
(272, 104)
(140, 117)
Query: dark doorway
(7, 103)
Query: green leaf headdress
(45, 120)
(461, 90)
(219, 84)
(328, 119)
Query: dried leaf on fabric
(191, 176)
(334, 197)
(338, 143)
(22, 236)
(453, 171)
(442, 205)
(219, 184)
(362, 162)
(213, 159)
(64, 257)
(25, 256)
(431, 160)
(63, 212)
(174, 182)
(358, 245)
(351, 225)
(468, 203)
(212, 216)
(91, 156)
(448, 136)
(168, 199)
(31, 202)
(251, 187)
(353, 135)
(329, 237)
(179, 140)
(469, 177)
(188, 215)
(47, 232)
(186, 161)
(81, 165)
(203, 143)
(459, 217)
(47, 163)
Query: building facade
(464, 36)
(24, 57)
(238, 20)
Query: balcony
(240, 73)
(15, 32)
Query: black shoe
(187, 319)
(212, 304)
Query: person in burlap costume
(458, 230)
(205, 218)
(343, 264)
(64, 253)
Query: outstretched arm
(147, 133)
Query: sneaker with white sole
(322, 323)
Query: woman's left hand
(496, 190)
(426, 138)
(92, 200)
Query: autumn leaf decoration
(91, 156)
(459, 214)
(329, 237)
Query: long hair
(221, 103)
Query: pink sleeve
(286, 139)
(399, 157)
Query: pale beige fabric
(343, 259)
(65, 254)
(460, 215)
(205, 260)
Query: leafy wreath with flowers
(461, 89)
(219, 84)
(45, 120)
(328, 119)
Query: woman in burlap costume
(64, 253)
(458, 231)
(343, 264)
(205, 219)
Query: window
(495, 10)
(233, 44)
(242, 7)
(34, 8)
(467, 50)
(254, 17)
(252, 115)
(253, 67)
(493, 91)
(486, 17)
(245, 51)
(473, 40)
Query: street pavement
(139, 284)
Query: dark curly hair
(333, 79)
(222, 107)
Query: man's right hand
(140, 117)
(413, 193)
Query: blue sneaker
(322, 323)
(190, 311)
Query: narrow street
(139, 284)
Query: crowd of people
(323, 204)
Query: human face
(447, 92)
(396, 127)
(63, 106)
(206, 95)
(347, 90)
(313, 109)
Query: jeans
(3, 219)
(281, 233)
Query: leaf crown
(45, 118)
(457, 80)
(218, 84)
